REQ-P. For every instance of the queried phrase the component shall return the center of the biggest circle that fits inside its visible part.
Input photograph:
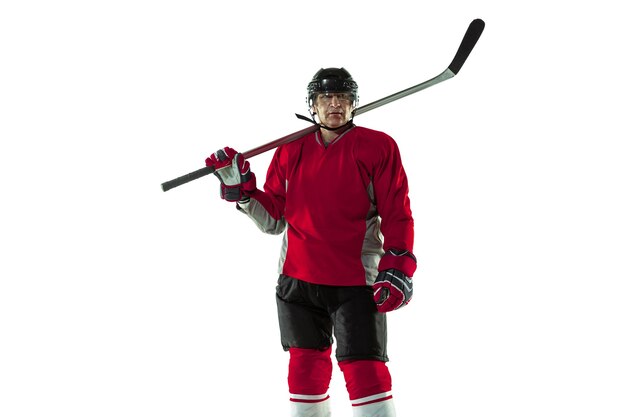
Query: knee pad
(309, 376)
(367, 381)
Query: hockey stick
(472, 35)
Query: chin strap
(301, 117)
(345, 126)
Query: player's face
(334, 109)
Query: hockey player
(331, 194)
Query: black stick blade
(472, 35)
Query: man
(332, 193)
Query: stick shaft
(278, 142)
(447, 74)
(184, 179)
(168, 185)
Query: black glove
(393, 287)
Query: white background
(117, 299)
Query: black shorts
(309, 313)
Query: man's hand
(237, 181)
(393, 287)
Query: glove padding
(393, 287)
(233, 171)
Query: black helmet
(332, 80)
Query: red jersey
(332, 203)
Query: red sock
(367, 381)
(309, 374)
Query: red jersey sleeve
(275, 188)
(391, 191)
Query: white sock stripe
(371, 398)
(305, 397)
